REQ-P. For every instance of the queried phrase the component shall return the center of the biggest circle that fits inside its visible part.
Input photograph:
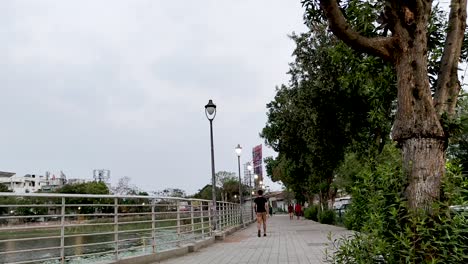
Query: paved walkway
(287, 241)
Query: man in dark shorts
(261, 209)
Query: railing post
(226, 213)
(191, 217)
(62, 232)
(236, 214)
(178, 223)
(254, 216)
(220, 215)
(116, 227)
(153, 226)
(241, 220)
(232, 215)
(240, 214)
(210, 220)
(202, 220)
(223, 225)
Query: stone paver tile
(287, 242)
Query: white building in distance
(31, 182)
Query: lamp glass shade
(255, 176)
(238, 150)
(210, 107)
(249, 167)
(210, 110)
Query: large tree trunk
(424, 165)
(417, 127)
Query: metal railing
(77, 228)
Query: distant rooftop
(5, 174)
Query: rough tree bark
(418, 127)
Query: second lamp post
(238, 152)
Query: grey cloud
(122, 84)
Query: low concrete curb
(166, 254)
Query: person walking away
(270, 209)
(291, 212)
(298, 210)
(261, 207)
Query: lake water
(79, 248)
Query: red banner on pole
(257, 161)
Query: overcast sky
(121, 85)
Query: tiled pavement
(287, 241)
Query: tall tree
(335, 96)
(124, 187)
(421, 115)
(228, 185)
(171, 192)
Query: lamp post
(249, 169)
(238, 152)
(210, 112)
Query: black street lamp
(238, 152)
(210, 112)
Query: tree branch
(378, 46)
(448, 86)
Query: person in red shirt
(290, 212)
(298, 209)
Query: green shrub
(327, 216)
(389, 232)
(407, 237)
(311, 213)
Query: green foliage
(204, 193)
(458, 147)
(403, 237)
(371, 171)
(84, 188)
(171, 192)
(311, 212)
(376, 181)
(335, 97)
(388, 231)
(4, 188)
(456, 183)
(4, 210)
(327, 216)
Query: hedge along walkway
(287, 241)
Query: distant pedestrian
(261, 209)
(298, 209)
(270, 210)
(291, 212)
